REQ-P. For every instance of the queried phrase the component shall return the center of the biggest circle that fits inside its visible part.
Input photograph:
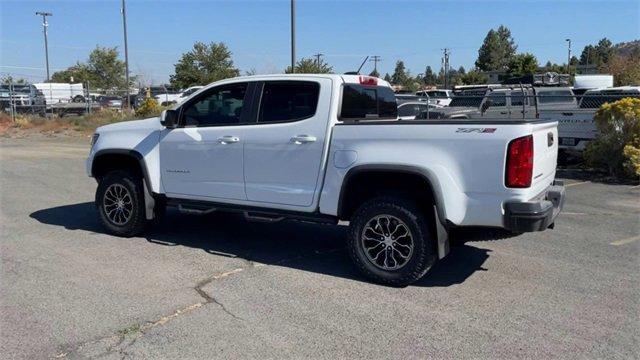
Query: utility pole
(376, 59)
(317, 56)
(445, 66)
(45, 24)
(568, 56)
(293, 36)
(123, 10)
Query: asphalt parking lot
(218, 287)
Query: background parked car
(110, 102)
(440, 97)
(163, 95)
(24, 98)
(409, 110)
(403, 98)
(188, 92)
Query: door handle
(504, 112)
(228, 139)
(301, 139)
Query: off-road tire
(137, 222)
(424, 251)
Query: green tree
(6, 80)
(588, 55)
(523, 64)
(106, 69)
(400, 75)
(474, 77)
(102, 70)
(387, 77)
(204, 64)
(374, 73)
(430, 77)
(599, 54)
(78, 73)
(456, 75)
(497, 50)
(311, 66)
(553, 67)
(604, 51)
(574, 61)
(625, 70)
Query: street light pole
(126, 52)
(568, 56)
(293, 36)
(45, 24)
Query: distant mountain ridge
(625, 49)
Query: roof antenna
(361, 65)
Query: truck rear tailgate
(545, 155)
(572, 124)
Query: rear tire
(389, 241)
(120, 203)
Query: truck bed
(464, 159)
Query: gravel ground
(218, 287)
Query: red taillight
(368, 81)
(520, 162)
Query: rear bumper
(535, 215)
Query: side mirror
(169, 118)
(486, 104)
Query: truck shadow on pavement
(303, 246)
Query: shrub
(632, 154)
(618, 124)
(149, 107)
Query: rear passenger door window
(498, 99)
(286, 101)
(517, 98)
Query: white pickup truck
(576, 126)
(325, 148)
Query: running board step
(194, 209)
(262, 217)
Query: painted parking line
(625, 241)
(577, 183)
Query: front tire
(389, 241)
(120, 203)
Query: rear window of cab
(362, 102)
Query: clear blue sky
(257, 32)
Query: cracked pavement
(218, 287)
